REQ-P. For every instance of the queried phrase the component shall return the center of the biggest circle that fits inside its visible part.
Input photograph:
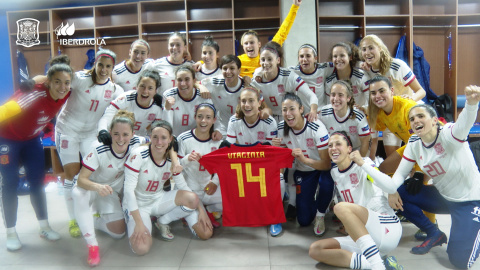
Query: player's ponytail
(123, 116)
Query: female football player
(22, 119)
(443, 153)
(127, 73)
(146, 170)
(100, 183)
(192, 145)
(76, 127)
(209, 67)
(373, 228)
(308, 141)
(341, 114)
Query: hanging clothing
(22, 67)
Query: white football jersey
(146, 178)
(355, 128)
(194, 173)
(316, 80)
(106, 166)
(224, 98)
(400, 74)
(243, 133)
(312, 138)
(449, 162)
(355, 187)
(183, 118)
(204, 73)
(286, 81)
(143, 116)
(166, 71)
(86, 104)
(126, 78)
(359, 82)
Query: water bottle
(59, 185)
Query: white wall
(303, 30)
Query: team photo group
(154, 139)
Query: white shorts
(385, 235)
(104, 205)
(391, 139)
(216, 198)
(160, 206)
(69, 147)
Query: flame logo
(65, 30)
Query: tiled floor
(229, 248)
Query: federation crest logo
(261, 136)
(27, 32)
(281, 89)
(353, 178)
(320, 79)
(151, 117)
(213, 149)
(108, 94)
(439, 148)
(355, 89)
(166, 176)
(352, 129)
(310, 143)
(4, 160)
(64, 144)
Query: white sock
(370, 251)
(101, 224)
(359, 261)
(84, 215)
(176, 214)
(43, 224)
(292, 191)
(11, 230)
(282, 185)
(67, 192)
(320, 214)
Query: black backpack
(444, 107)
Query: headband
(309, 46)
(271, 50)
(105, 55)
(208, 105)
(346, 137)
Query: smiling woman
(22, 119)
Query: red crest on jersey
(353, 178)
(151, 117)
(108, 94)
(261, 136)
(64, 144)
(166, 176)
(310, 142)
(89, 156)
(352, 129)
(281, 89)
(213, 149)
(439, 148)
(132, 158)
(320, 79)
(4, 159)
(355, 89)
(110, 166)
(128, 82)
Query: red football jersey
(38, 109)
(250, 182)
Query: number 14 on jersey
(260, 178)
